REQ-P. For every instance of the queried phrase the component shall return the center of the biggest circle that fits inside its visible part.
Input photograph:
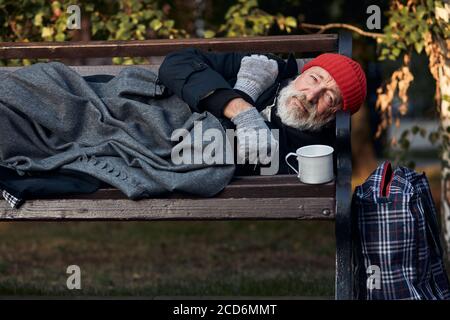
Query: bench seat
(244, 198)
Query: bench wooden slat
(281, 186)
(115, 69)
(95, 70)
(167, 209)
(161, 47)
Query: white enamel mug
(315, 163)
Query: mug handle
(286, 159)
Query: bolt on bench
(247, 197)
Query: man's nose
(313, 94)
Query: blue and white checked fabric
(397, 234)
(13, 201)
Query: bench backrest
(306, 44)
(94, 52)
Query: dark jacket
(192, 74)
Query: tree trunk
(444, 86)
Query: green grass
(245, 258)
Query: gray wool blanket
(119, 131)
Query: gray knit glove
(256, 74)
(253, 135)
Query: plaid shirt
(398, 238)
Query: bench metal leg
(344, 269)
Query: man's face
(309, 101)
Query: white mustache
(294, 115)
(301, 98)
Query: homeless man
(253, 92)
(64, 133)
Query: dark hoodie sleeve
(203, 79)
(216, 102)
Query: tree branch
(342, 25)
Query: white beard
(294, 116)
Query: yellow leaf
(209, 34)
(47, 32)
(38, 19)
(443, 13)
(291, 22)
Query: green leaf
(47, 32)
(416, 36)
(401, 45)
(251, 3)
(238, 21)
(111, 26)
(423, 132)
(117, 60)
(419, 46)
(404, 144)
(156, 24)
(38, 19)
(244, 11)
(61, 27)
(89, 7)
(404, 134)
(60, 37)
(396, 52)
(56, 5)
(169, 24)
(433, 137)
(147, 14)
(209, 34)
(291, 22)
(420, 12)
(128, 61)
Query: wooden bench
(252, 197)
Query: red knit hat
(348, 75)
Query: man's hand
(236, 106)
(255, 140)
(256, 74)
